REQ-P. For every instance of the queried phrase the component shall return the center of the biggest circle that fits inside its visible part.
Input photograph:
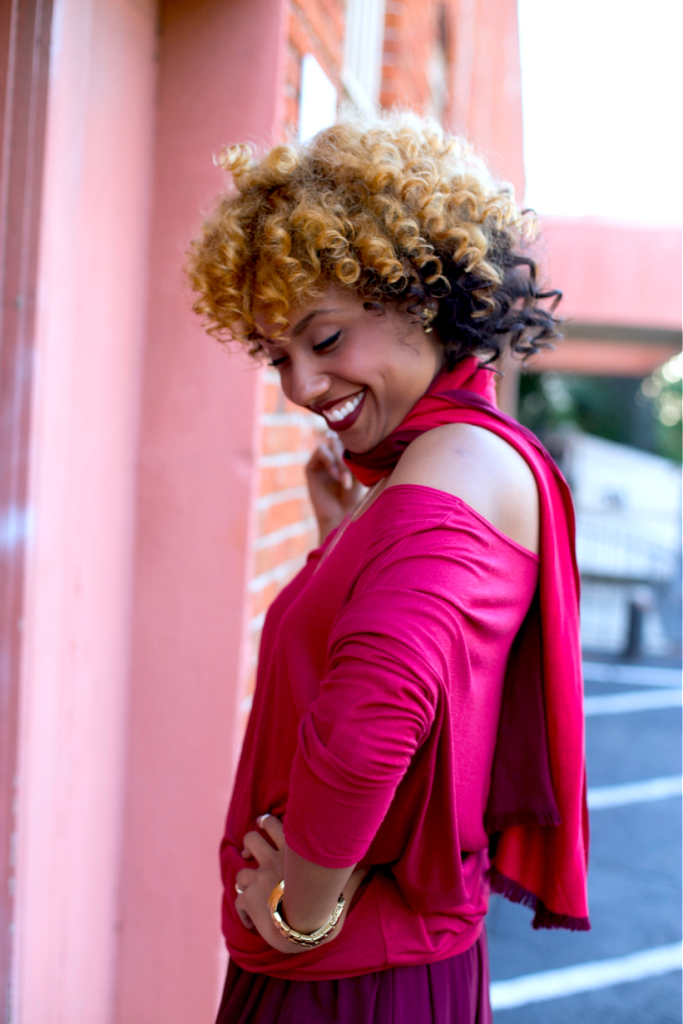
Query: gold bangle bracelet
(308, 941)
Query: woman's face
(361, 369)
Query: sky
(603, 114)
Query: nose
(308, 384)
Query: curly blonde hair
(393, 209)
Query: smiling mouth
(342, 416)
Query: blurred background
(152, 498)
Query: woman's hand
(333, 489)
(254, 886)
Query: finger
(334, 441)
(324, 458)
(245, 877)
(258, 847)
(272, 826)
(335, 444)
(344, 474)
(245, 919)
(242, 913)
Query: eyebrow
(303, 324)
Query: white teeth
(337, 415)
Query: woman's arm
(311, 891)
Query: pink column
(220, 81)
(89, 343)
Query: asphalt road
(634, 883)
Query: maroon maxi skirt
(452, 991)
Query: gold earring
(427, 315)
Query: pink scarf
(536, 814)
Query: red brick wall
(285, 526)
(317, 27)
(410, 40)
(482, 72)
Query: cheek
(368, 363)
(285, 383)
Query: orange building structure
(151, 485)
(622, 295)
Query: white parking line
(642, 792)
(569, 981)
(641, 700)
(632, 675)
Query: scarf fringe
(543, 918)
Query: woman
(416, 736)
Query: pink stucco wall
(220, 75)
(90, 335)
(143, 460)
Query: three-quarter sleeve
(388, 654)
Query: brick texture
(285, 525)
(317, 27)
(458, 60)
(412, 48)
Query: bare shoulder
(483, 470)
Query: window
(317, 99)
(362, 74)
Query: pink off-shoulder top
(374, 724)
